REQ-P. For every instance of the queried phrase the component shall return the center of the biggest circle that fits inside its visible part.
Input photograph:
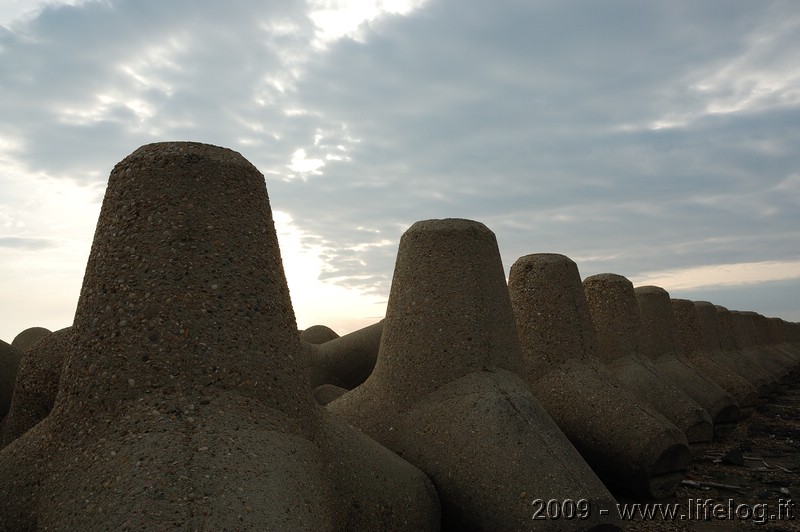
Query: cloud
(721, 275)
(633, 137)
(26, 243)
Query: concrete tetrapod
(183, 403)
(747, 365)
(10, 357)
(745, 333)
(615, 314)
(447, 392)
(697, 338)
(318, 334)
(627, 443)
(765, 342)
(657, 342)
(780, 337)
(25, 340)
(37, 384)
(345, 361)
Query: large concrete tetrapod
(627, 442)
(612, 306)
(746, 364)
(37, 384)
(27, 338)
(697, 338)
(447, 392)
(657, 342)
(10, 358)
(345, 361)
(183, 402)
(746, 334)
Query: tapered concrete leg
(183, 403)
(657, 344)
(627, 442)
(615, 314)
(447, 392)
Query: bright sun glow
(344, 18)
(316, 302)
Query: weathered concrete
(326, 393)
(612, 306)
(746, 364)
(37, 384)
(751, 339)
(625, 441)
(10, 357)
(778, 336)
(697, 338)
(447, 392)
(657, 343)
(318, 334)
(183, 401)
(345, 361)
(25, 340)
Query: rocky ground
(748, 481)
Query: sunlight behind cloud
(343, 18)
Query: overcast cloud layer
(656, 140)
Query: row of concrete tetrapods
(183, 396)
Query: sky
(654, 140)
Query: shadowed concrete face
(623, 439)
(37, 384)
(447, 394)
(778, 334)
(747, 364)
(657, 342)
(345, 361)
(318, 334)
(747, 338)
(697, 338)
(183, 402)
(615, 314)
(25, 340)
(10, 357)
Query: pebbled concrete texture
(447, 392)
(657, 343)
(625, 441)
(183, 401)
(697, 338)
(615, 315)
(37, 384)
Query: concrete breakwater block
(184, 403)
(749, 343)
(745, 362)
(615, 314)
(657, 343)
(345, 361)
(447, 392)
(37, 384)
(697, 338)
(625, 441)
(318, 334)
(10, 358)
(25, 340)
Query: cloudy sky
(656, 140)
